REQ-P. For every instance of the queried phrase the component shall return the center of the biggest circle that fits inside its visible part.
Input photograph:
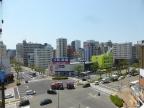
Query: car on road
(7, 96)
(51, 91)
(26, 81)
(96, 83)
(84, 79)
(121, 77)
(24, 102)
(128, 75)
(45, 101)
(86, 85)
(30, 92)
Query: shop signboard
(60, 61)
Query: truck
(70, 85)
(105, 80)
(114, 78)
(57, 86)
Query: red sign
(60, 62)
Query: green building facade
(104, 61)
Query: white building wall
(77, 45)
(43, 57)
(61, 48)
(122, 51)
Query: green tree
(32, 67)
(42, 68)
(17, 67)
(78, 68)
(109, 71)
(94, 66)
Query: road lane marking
(18, 92)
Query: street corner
(114, 94)
(15, 101)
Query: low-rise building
(104, 61)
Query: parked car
(30, 92)
(84, 79)
(96, 83)
(86, 85)
(121, 77)
(128, 75)
(24, 102)
(45, 101)
(7, 96)
(26, 81)
(51, 91)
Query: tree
(109, 71)
(94, 66)
(17, 68)
(42, 68)
(32, 67)
(78, 68)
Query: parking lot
(83, 97)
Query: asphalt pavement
(83, 97)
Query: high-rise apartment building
(91, 47)
(76, 45)
(122, 51)
(43, 56)
(26, 48)
(61, 48)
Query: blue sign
(63, 66)
(60, 59)
(2, 75)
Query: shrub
(99, 79)
(21, 99)
(125, 74)
(18, 83)
(117, 101)
(1, 88)
(60, 77)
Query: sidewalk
(126, 95)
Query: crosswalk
(36, 80)
(22, 92)
(102, 89)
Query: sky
(44, 21)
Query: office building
(70, 52)
(135, 52)
(122, 51)
(26, 48)
(43, 56)
(76, 45)
(11, 53)
(61, 48)
(91, 47)
(104, 60)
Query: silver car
(30, 92)
(7, 96)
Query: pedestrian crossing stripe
(27, 97)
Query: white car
(121, 77)
(30, 92)
(96, 83)
(7, 96)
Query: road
(85, 97)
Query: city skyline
(45, 21)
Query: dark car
(84, 79)
(51, 91)
(86, 85)
(26, 81)
(45, 101)
(24, 102)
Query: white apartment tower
(43, 56)
(122, 51)
(61, 48)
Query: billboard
(51, 70)
(60, 60)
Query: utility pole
(58, 99)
